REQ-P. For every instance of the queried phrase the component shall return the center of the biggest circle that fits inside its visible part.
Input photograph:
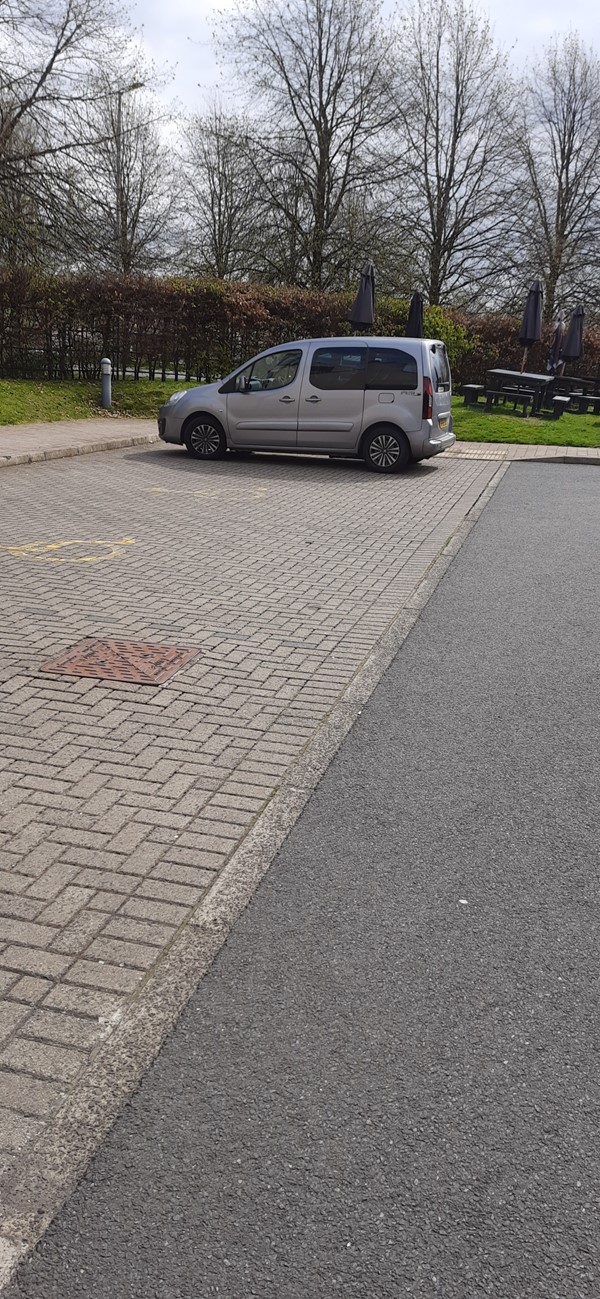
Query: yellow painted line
(45, 550)
(210, 493)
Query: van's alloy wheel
(386, 451)
(204, 439)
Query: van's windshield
(440, 369)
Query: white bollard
(106, 369)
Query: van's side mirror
(241, 383)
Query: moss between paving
(24, 401)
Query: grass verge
(24, 401)
(476, 424)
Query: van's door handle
(313, 399)
(287, 400)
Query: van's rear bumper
(440, 442)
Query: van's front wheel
(386, 450)
(203, 438)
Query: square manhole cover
(122, 660)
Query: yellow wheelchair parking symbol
(47, 551)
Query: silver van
(386, 400)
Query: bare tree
(248, 211)
(319, 73)
(221, 203)
(451, 145)
(118, 186)
(23, 238)
(285, 215)
(560, 148)
(370, 228)
(46, 51)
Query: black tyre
(204, 438)
(386, 450)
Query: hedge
(59, 327)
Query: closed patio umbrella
(572, 347)
(531, 324)
(414, 324)
(553, 358)
(362, 311)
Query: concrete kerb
(81, 449)
(32, 1194)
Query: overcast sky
(179, 32)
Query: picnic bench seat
(586, 399)
(569, 399)
(472, 393)
(559, 404)
(524, 397)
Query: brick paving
(28, 443)
(522, 451)
(120, 803)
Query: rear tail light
(427, 399)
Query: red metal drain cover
(122, 660)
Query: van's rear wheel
(386, 450)
(204, 439)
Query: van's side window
(276, 370)
(389, 367)
(338, 368)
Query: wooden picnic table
(584, 382)
(583, 391)
(510, 382)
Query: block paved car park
(122, 803)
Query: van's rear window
(389, 367)
(440, 370)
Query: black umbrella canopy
(362, 311)
(572, 348)
(414, 324)
(531, 325)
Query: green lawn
(24, 401)
(501, 424)
(27, 401)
